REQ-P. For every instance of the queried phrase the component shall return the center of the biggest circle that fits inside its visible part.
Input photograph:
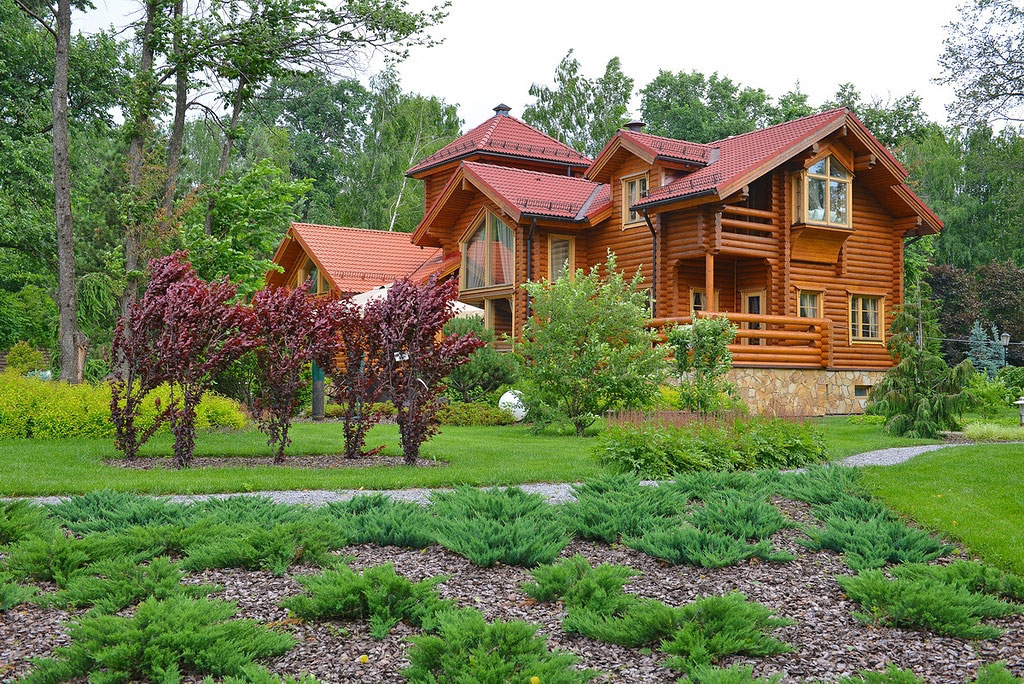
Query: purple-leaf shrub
(350, 356)
(416, 356)
(285, 327)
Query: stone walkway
(553, 492)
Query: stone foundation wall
(800, 391)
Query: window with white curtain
(488, 256)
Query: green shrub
(114, 584)
(158, 642)
(996, 673)
(994, 432)
(657, 451)
(702, 360)
(735, 674)
(971, 576)
(738, 515)
(257, 674)
(685, 544)
(563, 579)
(986, 395)
(19, 520)
(379, 519)
(107, 510)
(820, 485)
(719, 626)
(1012, 378)
(498, 526)
(702, 485)
(305, 542)
(487, 368)
(260, 511)
(13, 594)
(946, 609)
(51, 556)
(468, 649)
(870, 542)
(891, 675)
(33, 408)
(22, 358)
(613, 505)
(377, 595)
(478, 413)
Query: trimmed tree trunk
(72, 342)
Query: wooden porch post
(709, 281)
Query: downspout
(529, 260)
(654, 265)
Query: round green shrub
(473, 413)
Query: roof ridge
(549, 137)
(513, 169)
(666, 137)
(350, 228)
(783, 123)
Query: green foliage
(377, 595)
(926, 603)
(487, 368)
(51, 555)
(996, 673)
(27, 315)
(869, 536)
(612, 505)
(585, 349)
(106, 510)
(476, 413)
(739, 515)
(993, 432)
(581, 112)
(821, 485)
(657, 451)
(973, 577)
(22, 358)
(257, 674)
(707, 484)
(468, 649)
(20, 519)
(13, 594)
(498, 526)
(1012, 378)
(702, 360)
(112, 585)
(735, 674)
(987, 354)
(158, 642)
(891, 675)
(380, 519)
(685, 544)
(32, 408)
(919, 396)
(562, 578)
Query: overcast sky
(494, 49)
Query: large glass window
(826, 188)
(633, 189)
(489, 254)
(865, 318)
(560, 256)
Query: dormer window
(824, 194)
(633, 190)
(488, 254)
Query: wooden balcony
(775, 342)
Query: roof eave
(707, 192)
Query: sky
(493, 50)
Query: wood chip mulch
(313, 462)
(829, 642)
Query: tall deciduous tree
(581, 112)
(983, 59)
(892, 121)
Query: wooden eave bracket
(864, 162)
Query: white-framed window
(488, 254)
(633, 190)
(866, 316)
(809, 304)
(561, 256)
(699, 299)
(824, 193)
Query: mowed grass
(973, 494)
(846, 438)
(474, 455)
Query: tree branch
(25, 8)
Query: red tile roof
(532, 192)
(670, 148)
(506, 136)
(356, 260)
(742, 154)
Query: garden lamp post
(1004, 340)
(1020, 402)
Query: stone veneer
(802, 391)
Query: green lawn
(476, 455)
(973, 494)
(846, 439)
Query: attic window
(824, 193)
(488, 254)
(633, 190)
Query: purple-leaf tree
(138, 363)
(203, 331)
(351, 357)
(417, 356)
(285, 327)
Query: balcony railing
(776, 341)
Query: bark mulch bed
(829, 642)
(312, 461)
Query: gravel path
(553, 492)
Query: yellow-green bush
(36, 409)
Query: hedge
(36, 409)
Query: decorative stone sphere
(512, 402)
